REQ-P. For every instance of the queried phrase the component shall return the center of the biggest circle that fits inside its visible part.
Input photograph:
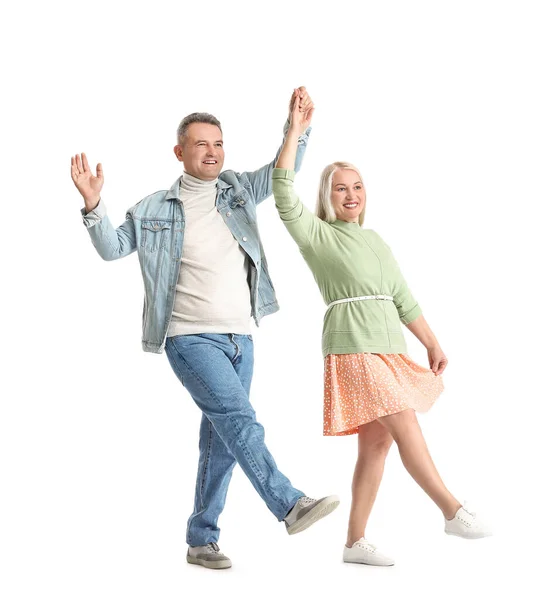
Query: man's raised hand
(88, 185)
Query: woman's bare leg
(374, 441)
(406, 431)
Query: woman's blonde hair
(324, 207)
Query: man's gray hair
(197, 117)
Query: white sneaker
(364, 553)
(467, 525)
(208, 556)
(307, 511)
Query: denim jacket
(155, 227)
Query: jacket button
(229, 214)
(244, 239)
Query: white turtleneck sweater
(212, 293)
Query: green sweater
(348, 261)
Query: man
(205, 275)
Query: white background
(449, 109)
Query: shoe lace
(213, 548)
(365, 545)
(306, 501)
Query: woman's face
(348, 195)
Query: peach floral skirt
(359, 388)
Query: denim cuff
(302, 139)
(94, 216)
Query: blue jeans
(216, 369)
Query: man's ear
(178, 152)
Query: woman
(371, 387)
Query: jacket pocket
(154, 234)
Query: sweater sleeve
(407, 307)
(303, 225)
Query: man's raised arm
(110, 243)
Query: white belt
(378, 297)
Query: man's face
(202, 152)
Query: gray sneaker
(307, 511)
(208, 556)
